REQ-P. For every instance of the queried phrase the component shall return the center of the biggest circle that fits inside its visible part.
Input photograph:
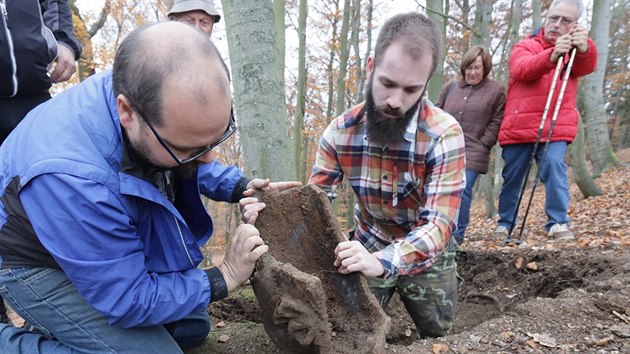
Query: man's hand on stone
(351, 256)
(245, 248)
(272, 187)
(250, 206)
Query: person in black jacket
(37, 48)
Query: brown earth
(539, 297)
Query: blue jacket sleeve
(221, 183)
(86, 228)
(58, 18)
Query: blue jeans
(553, 174)
(46, 299)
(464, 209)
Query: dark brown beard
(382, 130)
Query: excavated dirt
(558, 301)
(541, 297)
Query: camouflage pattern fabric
(430, 297)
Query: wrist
(218, 286)
(380, 269)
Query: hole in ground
(492, 284)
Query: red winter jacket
(531, 74)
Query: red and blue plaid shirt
(407, 196)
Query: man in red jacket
(532, 66)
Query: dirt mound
(513, 301)
(541, 297)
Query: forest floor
(537, 297)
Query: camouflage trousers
(430, 297)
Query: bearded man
(404, 159)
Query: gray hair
(578, 3)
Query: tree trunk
(298, 139)
(486, 185)
(356, 45)
(516, 17)
(278, 20)
(331, 61)
(536, 17)
(582, 177)
(343, 58)
(483, 22)
(259, 90)
(87, 67)
(592, 92)
(437, 80)
(624, 124)
(368, 50)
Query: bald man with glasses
(101, 220)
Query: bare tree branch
(466, 26)
(101, 19)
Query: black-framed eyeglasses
(565, 20)
(231, 129)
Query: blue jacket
(130, 252)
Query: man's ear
(369, 68)
(125, 112)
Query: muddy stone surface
(307, 305)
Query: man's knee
(189, 332)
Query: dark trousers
(14, 109)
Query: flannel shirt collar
(412, 128)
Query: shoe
(501, 233)
(561, 232)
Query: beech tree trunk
(581, 175)
(592, 94)
(259, 97)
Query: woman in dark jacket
(477, 102)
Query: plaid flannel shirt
(407, 229)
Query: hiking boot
(561, 232)
(502, 233)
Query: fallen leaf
(532, 343)
(408, 332)
(440, 348)
(604, 341)
(519, 263)
(543, 339)
(223, 338)
(532, 266)
(221, 324)
(508, 335)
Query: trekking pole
(556, 74)
(553, 123)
